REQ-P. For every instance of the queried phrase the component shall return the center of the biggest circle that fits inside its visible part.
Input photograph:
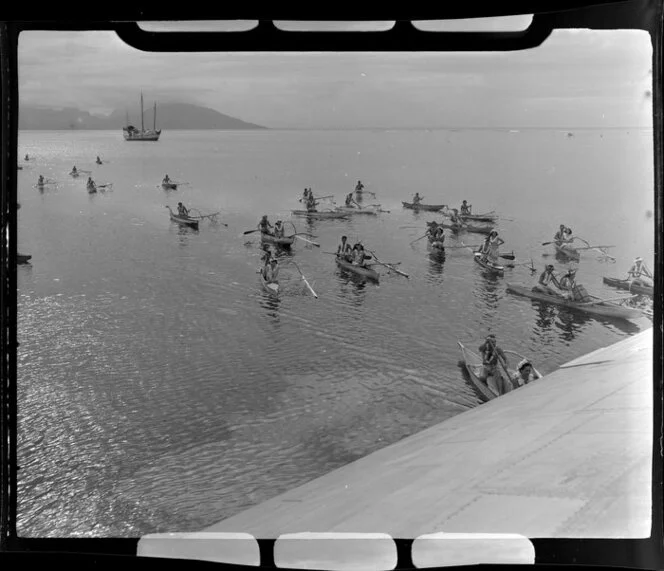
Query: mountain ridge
(170, 117)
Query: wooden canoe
(490, 389)
(487, 265)
(23, 258)
(169, 185)
(478, 217)
(629, 286)
(430, 207)
(362, 271)
(271, 288)
(606, 308)
(285, 242)
(566, 251)
(185, 221)
(354, 210)
(323, 214)
(467, 228)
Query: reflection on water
(353, 286)
(436, 263)
(570, 324)
(488, 287)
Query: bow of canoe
(487, 265)
(351, 210)
(606, 308)
(271, 288)
(429, 207)
(360, 270)
(323, 214)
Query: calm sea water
(160, 389)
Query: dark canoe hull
(429, 207)
(567, 252)
(272, 289)
(184, 221)
(477, 218)
(467, 228)
(169, 186)
(331, 214)
(605, 309)
(285, 242)
(359, 270)
(487, 265)
(437, 246)
(350, 210)
(23, 258)
(632, 288)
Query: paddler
(567, 283)
(561, 236)
(27, 158)
(92, 187)
(182, 210)
(548, 276)
(264, 226)
(360, 256)
(166, 180)
(305, 195)
(524, 373)
(454, 218)
(311, 203)
(349, 200)
(491, 355)
(465, 208)
(278, 229)
(266, 256)
(344, 250)
(271, 272)
(640, 274)
(73, 170)
(493, 245)
(359, 187)
(40, 181)
(417, 198)
(98, 160)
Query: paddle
(389, 266)
(305, 281)
(508, 256)
(250, 231)
(418, 239)
(305, 240)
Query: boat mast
(142, 127)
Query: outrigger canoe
(630, 286)
(430, 207)
(352, 210)
(285, 242)
(184, 220)
(360, 270)
(271, 288)
(490, 389)
(488, 265)
(604, 308)
(322, 214)
(478, 217)
(567, 251)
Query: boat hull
(429, 207)
(324, 214)
(350, 210)
(285, 242)
(487, 265)
(605, 309)
(169, 186)
(478, 218)
(567, 252)
(359, 270)
(436, 246)
(184, 221)
(271, 288)
(632, 288)
(141, 136)
(23, 258)
(467, 228)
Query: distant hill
(170, 117)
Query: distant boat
(131, 133)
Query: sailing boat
(131, 133)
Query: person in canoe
(360, 256)
(547, 277)
(563, 236)
(311, 203)
(266, 256)
(182, 210)
(305, 195)
(465, 208)
(491, 356)
(278, 229)
(349, 200)
(492, 247)
(40, 180)
(417, 198)
(99, 160)
(640, 274)
(166, 180)
(265, 227)
(27, 158)
(344, 250)
(455, 220)
(73, 170)
(568, 282)
(92, 187)
(524, 373)
(359, 187)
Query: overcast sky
(577, 78)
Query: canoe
(430, 207)
(606, 309)
(629, 286)
(366, 272)
(490, 389)
(92, 189)
(185, 221)
(169, 185)
(467, 228)
(323, 214)
(351, 210)
(487, 265)
(567, 252)
(23, 258)
(285, 242)
(436, 246)
(75, 174)
(271, 288)
(478, 217)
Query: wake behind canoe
(606, 309)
